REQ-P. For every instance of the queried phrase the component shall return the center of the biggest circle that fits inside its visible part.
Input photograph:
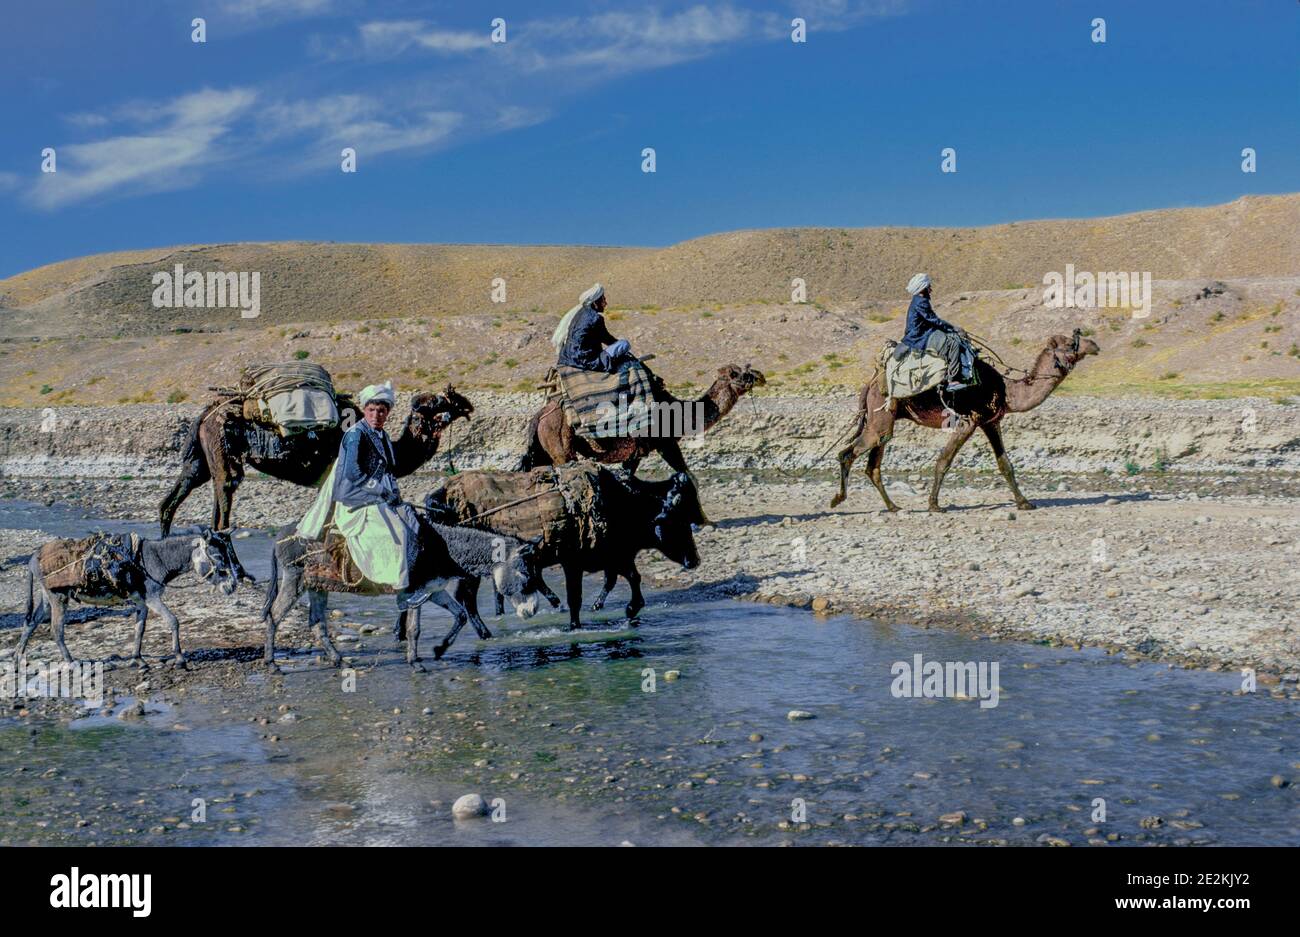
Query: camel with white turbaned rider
(980, 406)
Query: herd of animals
(467, 532)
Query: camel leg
(994, 434)
(193, 474)
(846, 458)
(224, 495)
(959, 437)
(874, 460)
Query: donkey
(448, 560)
(140, 583)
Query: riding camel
(981, 406)
(222, 440)
(552, 441)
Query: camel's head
(432, 413)
(741, 380)
(1069, 351)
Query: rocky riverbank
(1179, 546)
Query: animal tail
(863, 407)
(272, 587)
(534, 455)
(29, 609)
(192, 450)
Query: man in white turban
(583, 341)
(927, 332)
(361, 492)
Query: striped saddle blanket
(607, 406)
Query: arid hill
(1223, 319)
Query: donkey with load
(105, 569)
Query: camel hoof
(597, 605)
(273, 668)
(438, 651)
(139, 663)
(837, 501)
(936, 509)
(418, 667)
(1027, 506)
(178, 663)
(633, 610)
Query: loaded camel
(552, 441)
(222, 440)
(982, 407)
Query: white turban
(378, 393)
(561, 333)
(918, 283)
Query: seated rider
(582, 340)
(381, 529)
(927, 332)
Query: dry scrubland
(1224, 318)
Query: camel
(551, 441)
(981, 407)
(222, 440)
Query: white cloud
(153, 159)
(277, 8)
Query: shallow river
(572, 744)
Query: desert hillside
(1223, 319)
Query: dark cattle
(583, 517)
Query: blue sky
(163, 141)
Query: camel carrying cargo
(915, 373)
(296, 397)
(600, 405)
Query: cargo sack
(100, 563)
(329, 567)
(543, 505)
(303, 410)
(915, 373)
(296, 397)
